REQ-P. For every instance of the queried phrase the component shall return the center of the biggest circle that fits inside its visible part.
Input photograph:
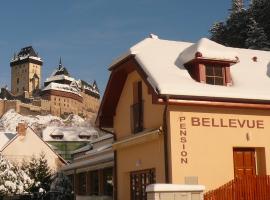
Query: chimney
(153, 36)
(21, 129)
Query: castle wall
(64, 104)
(2, 107)
(90, 104)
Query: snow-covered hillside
(48, 126)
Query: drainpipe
(165, 132)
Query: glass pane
(210, 80)
(218, 71)
(108, 181)
(94, 183)
(219, 81)
(209, 70)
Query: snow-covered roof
(162, 61)
(73, 133)
(72, 128)
(62, 87)
(208, 50)
(59, 77)
(26, 52)
(5, 137)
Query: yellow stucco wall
(208, 148)
(24, 147)
(152, 113)
(140, 156)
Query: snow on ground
(11, 118)
(73, 128)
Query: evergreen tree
(40, 172)
(237, 6)
(13, 180)
(260, 11)
(245, 28)
(257, 38)
(218, 31)
(62, 186)
(236, 29)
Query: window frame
(197, 70)
(215, 76)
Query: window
(94, 182)
(81, 177)
(18, 80)
(71, 179)
(210, 72)
(108, 181)
(214, 75)
(138, 182)
(137, 108)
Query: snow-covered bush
(13, 180)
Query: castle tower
(25, 71)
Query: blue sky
(89, 34)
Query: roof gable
(114, 89)
(30, 132)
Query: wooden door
(138, 182)
(244, 162)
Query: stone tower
(25, 72)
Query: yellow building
(25, 72)
(185, 113)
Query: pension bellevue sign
(227, 123)
(211, 122)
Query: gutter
(215, 103)
(165, 132)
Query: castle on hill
(60, 95)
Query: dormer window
(214, 75)
(209, 62)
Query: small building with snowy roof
(68, 139)
(91, 170)
(187, 113)
(24, 144)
